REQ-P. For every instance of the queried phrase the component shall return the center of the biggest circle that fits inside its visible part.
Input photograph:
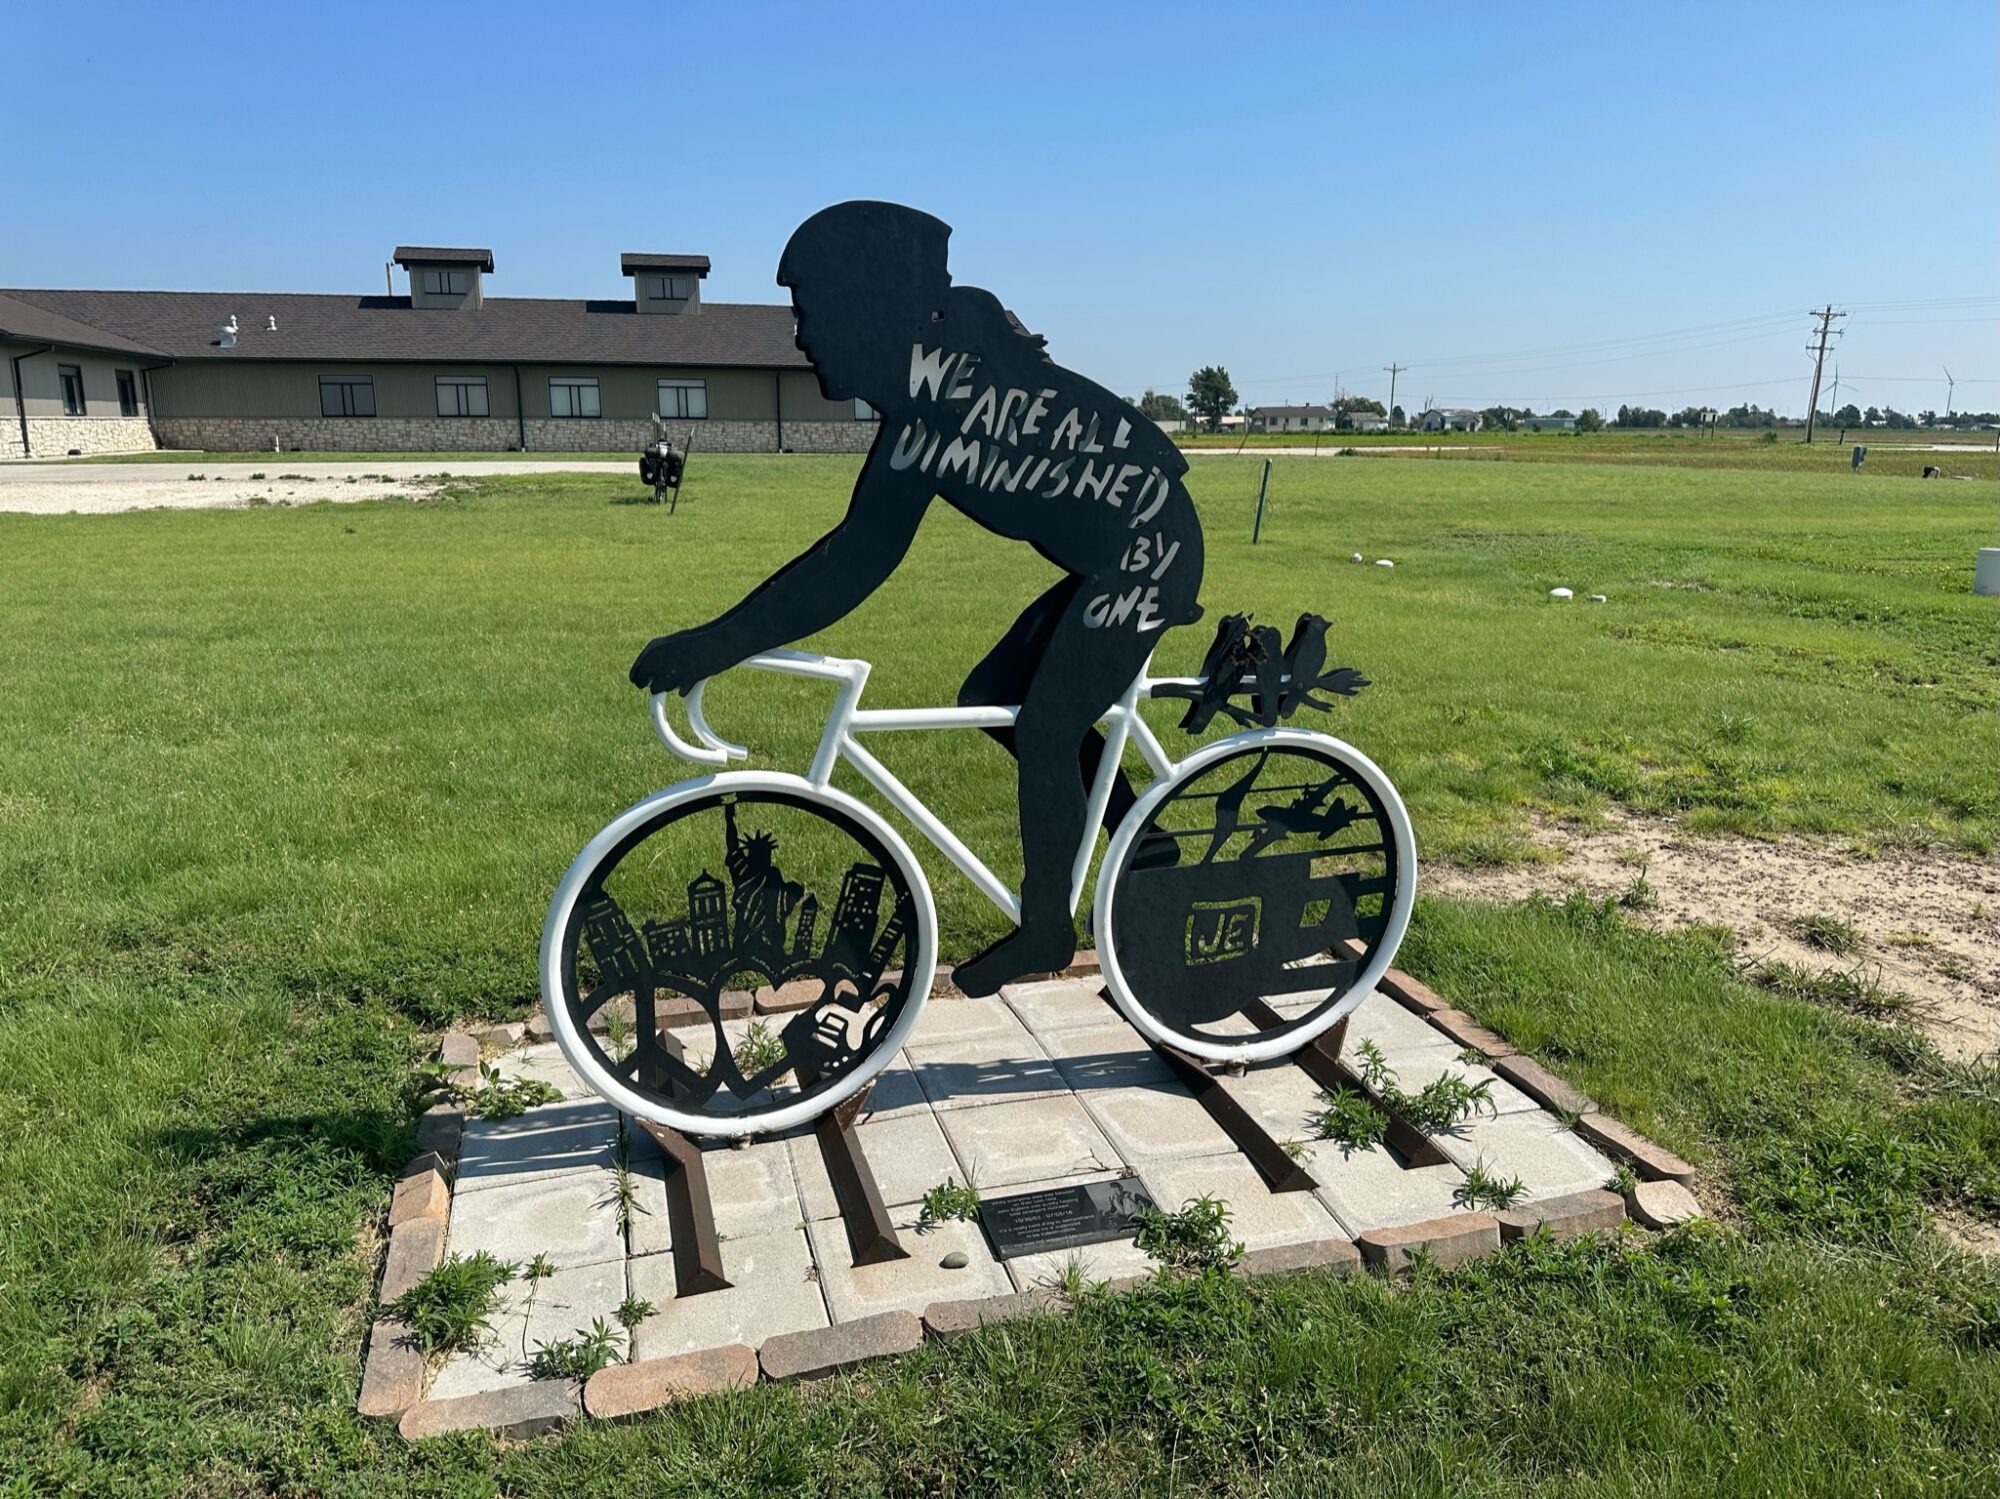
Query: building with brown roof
(443, 368)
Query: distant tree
(1871, 416)
(1589, 420)
(1161, 408)
(1348, 405)
(1927, 418)
(1691, 416)
(1210, 395)
(1641, 416)
(1848, 416)
(1397, 418)
(1562, 411)
(1503, 418)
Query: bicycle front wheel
(745, 881)
(1252, 899)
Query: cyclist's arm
(818, 587)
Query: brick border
(1649, 1160)
(393, 1372)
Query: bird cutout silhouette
(1303, 816)
(1244, 658)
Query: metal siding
(42, 389)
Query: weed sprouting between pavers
(494, 1097)
(1486, 1189)
(947, 1200)
(1354, 1120)
(1194, 1237)
(579, 1356)
(624, 1196)
(759, 1049)
(452, 1307)
(632, 1311)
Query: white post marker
(1986, 575)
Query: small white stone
(1355, 558)
(1561, 593)
(1383, 562)
(1597, 598)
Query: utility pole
(1826, 315)
(1394, 370)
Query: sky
(1550, 206)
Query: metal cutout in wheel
(739, 889)
(1273, 872)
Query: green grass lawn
(280, 786)
(1901, 455)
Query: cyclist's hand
(673, 663)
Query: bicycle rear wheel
(681, 899)
(1251, 900)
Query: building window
(447, 283)
(687, 399)
(461, 395)
(863, 412)
(346, 395)
(573, 396)
(128, 393)
(668, 288)
(72, 389)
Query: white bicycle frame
(1123, 726)
(848, 720)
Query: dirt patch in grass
(1921, 926)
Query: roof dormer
(444, 277)
(665, 283)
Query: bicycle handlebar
(714, 749)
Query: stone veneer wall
(234, 434)
(54, 436)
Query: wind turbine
(1949, 385)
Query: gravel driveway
(110, 488)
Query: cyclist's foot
(1159, 849)
(1012, 958)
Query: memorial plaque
(1063, 1217)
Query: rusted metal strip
(871, 1237)
(690, 1214)
(1280, 1171)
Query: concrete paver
(905, 1285)
(1370, 1189)
(1106, 1055)
(991, 1068)
(572, 1217)
(1154, 1122)
(556, 1137)
(1035, 1139)
(907, 1152)
(1549, 1161)
(543, 1062)
(1060, 1004)
(1258, 1217)
(560, 1307)
(772, 1290)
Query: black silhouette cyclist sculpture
(975, 413)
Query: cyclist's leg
(1002, 677)
(1079, 672)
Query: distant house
(1548, 424)
(1450, 419)
(1291, 418)
(1363, 421)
